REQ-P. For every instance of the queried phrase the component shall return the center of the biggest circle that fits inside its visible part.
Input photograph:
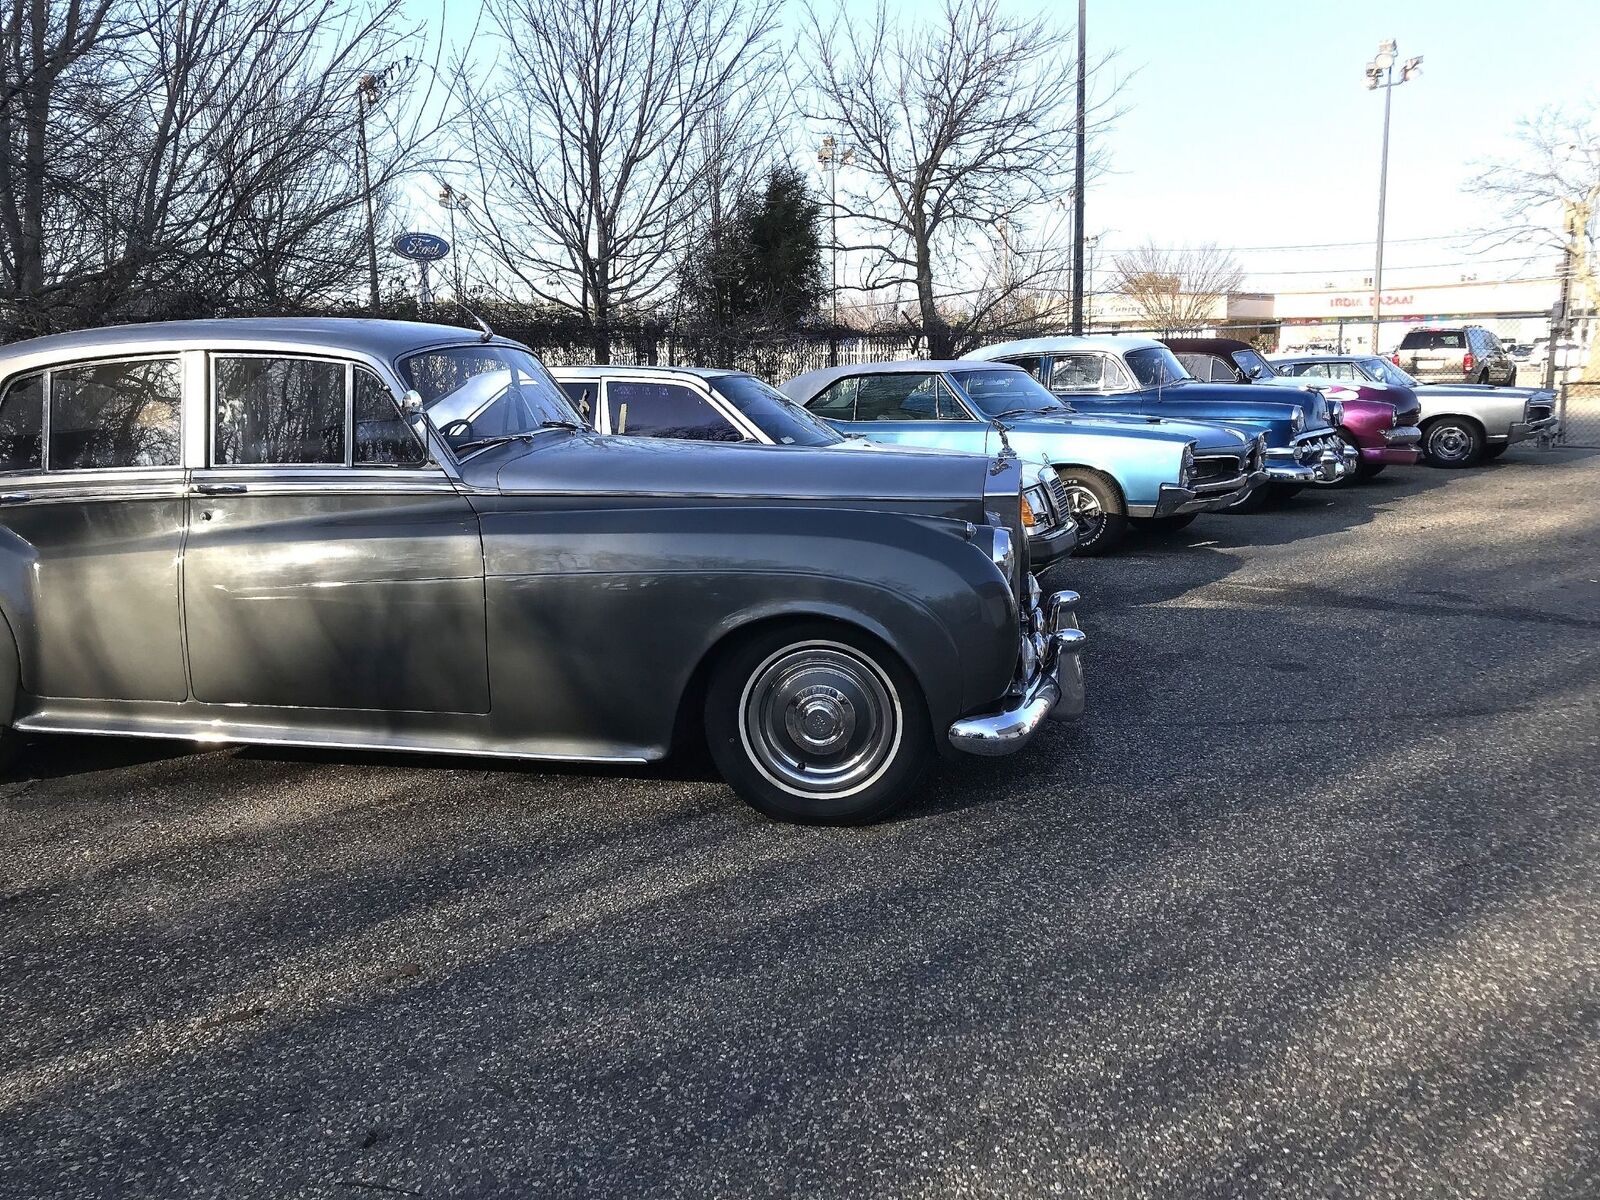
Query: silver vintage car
(396, 536)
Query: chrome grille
(1058, 496)
(1215, 467)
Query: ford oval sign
(421, 247)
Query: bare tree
(165, 156)
(1176, 290)
(956, 128)
(590, 140)
(1547, 197)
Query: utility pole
(831, 155)
(1380, 74)
(366, 97)
(450, 200)
(1077, 177)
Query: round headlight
(1335, 412)
(1004, 555)
(1298, 421)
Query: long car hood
(1233, 402)
(585, 464)
(1207, 435)
(1537, 395)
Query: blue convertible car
(1115, 471)
(1137, 375)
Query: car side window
(1078, 373)
(669, 410)
(22, 425)
(906, 397)
(1033, 364)
(115, 414)
(277, 411)
(382, 437)
(582, 393)
(837, 401)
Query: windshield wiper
(1023, 412)
(553, 424)
(498, 440)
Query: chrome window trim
(211, 403)
(694, 383)
(47, 392)
(350, 423)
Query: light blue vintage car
(1115, 471)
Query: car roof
(379, 339)
(1200, 345)
(812, 382)
(1066, 343)
(1277, 358)
(593, 371)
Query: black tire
(1097, 506)
(1164, 525)
(1490, 453)
(1370, 470)
(1452, 442)
(1483, 377)
(872, 735)
(1511, 380)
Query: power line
(1443, 237)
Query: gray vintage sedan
(382, 535)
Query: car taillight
(1466, 361)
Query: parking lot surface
(1306, 904)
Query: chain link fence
(1580, 414)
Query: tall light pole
(1380, 74)
(451, 200)
(831, 155)
(366, 97)
(1077, 178)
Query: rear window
(1434, 339)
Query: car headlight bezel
(1186, 466)
(1335, 412)
(1297, 420)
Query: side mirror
(411, 402)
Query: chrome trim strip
(222, 735)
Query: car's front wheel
(1097, 507)
(1451, 442)
(817, 723)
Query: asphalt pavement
(1305, 905)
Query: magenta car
(1378, 421)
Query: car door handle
(15, 497)
(221, 489)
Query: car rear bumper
(1049, 683)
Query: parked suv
(1457, 354)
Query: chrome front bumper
(1545, 429)
(1314, 458)
(1402, 435)
(1049, 681)
(1176, 501)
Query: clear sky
(1250, 124)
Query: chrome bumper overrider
(1402, 435)
(1049, 681)
(1324, 457)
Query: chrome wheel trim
(1451, 443)
(820, 720)
(1086, 510)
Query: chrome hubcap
(820, 719)
(1085, 509)
(1449, 441)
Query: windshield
(770, 411)
(1253, 365)
(1385, 371)
(1156, 366)
(1008, 393)
(479, 394)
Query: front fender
(1138, 466)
